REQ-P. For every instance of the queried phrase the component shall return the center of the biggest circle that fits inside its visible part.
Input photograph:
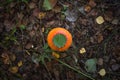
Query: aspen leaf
(59, 40)
(47, 5)
(82, 50)
(90, 65)
(43, 29)
(13, 69)
(20, 63)
(99, 20)
(56, 55)
(41, 15)
(102, 72)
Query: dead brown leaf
(83, 21)
(92, 3)
(12, 57)
(32, 33)
(36, 12)
(100, 61)
(29, 45)
(5, 58)
(108, 16)
(13, 69)
(93, 12)
(41, 15)
(53, 2)
(56, 73)
(57, 9)
(99, 38)
(20, 16)
(32, 5)
(87, 8)
(8, 25)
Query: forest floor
(93, 55)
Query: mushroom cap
(56, 31)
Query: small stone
(115, 67)
(115, 21)
(28, 46)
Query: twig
(75, 69)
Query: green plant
(41, 57)
(8, 38)
(72, 68)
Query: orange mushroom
(59, 39)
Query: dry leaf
(100, 38)
(108, 16)
(12, 57)
(32, 5)
(57, 9)
(82, 50)
(53, 2)
(36, 12)
(92, 3)
(28, 45)
(5, 58)
(20, 63)
(41, 15)
(87, 8)
(100, 61)
(99, 20)
(43, 29)
(102, 72)
(32, 33)
(13, 69)
(56, 55)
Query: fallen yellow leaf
(13, 69)
(82, 50)
(102, 72)
(20, 63)
(41, 15)
(43, 29)
(56, 55)
(99, 20)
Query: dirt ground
(93, 24)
